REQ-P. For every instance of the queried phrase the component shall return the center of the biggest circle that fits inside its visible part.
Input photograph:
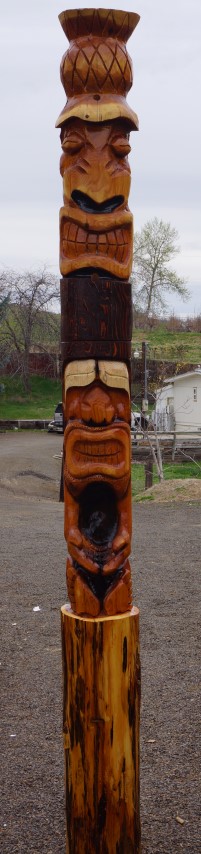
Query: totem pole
(100, 627)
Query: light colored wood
(101, 670)
(79, 373)
(114, 374)
(86, 108)
(83, 372)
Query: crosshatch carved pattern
(96, 66)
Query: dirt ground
(166, 561)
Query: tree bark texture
(101, 669)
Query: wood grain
(99, 22)
(96, 70)
(101, 669)
(95, 349)
(95, 222)
(94, 308)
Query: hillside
(170, 346)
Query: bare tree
(4, 303)
(4, 297)
(29, 320)
(152, 278)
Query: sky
(165, 159)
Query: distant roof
(196, 372)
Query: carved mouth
(88, 240)
(76, 240)
(110, 452)
(98, 452)
(86, 203)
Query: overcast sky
(165, 160)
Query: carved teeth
(108, 453)
(113, 243)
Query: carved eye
(120, 146)
(72, 144)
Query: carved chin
(96, 241)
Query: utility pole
(144, 406)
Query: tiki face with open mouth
(97, 472)
(95, 222)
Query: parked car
(139, 420)
(135, 420)
(56, 425)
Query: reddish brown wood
(105, 23)
(101, 654)
(95, 223)
(95, 308)
(96, 70)
(99, 349)
(97, 496)
(101, 733)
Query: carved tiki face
(97, 436)
(97, 464)
(96, 73)
(95, 222)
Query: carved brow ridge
(91, 206)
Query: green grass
(171, 471)
(39, 403)
(170, 346)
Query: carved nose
(97, 412)
(97, 407)
(89, 205)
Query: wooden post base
(101, 668)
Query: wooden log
(101, 669)
(96, 318)
(95, 308)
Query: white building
(178, 403)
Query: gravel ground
(166, 563)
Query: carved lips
(97, 453)
(87, 241)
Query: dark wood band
(119, 350)
(95, 311)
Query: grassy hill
(170, 346)
(40, 403)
